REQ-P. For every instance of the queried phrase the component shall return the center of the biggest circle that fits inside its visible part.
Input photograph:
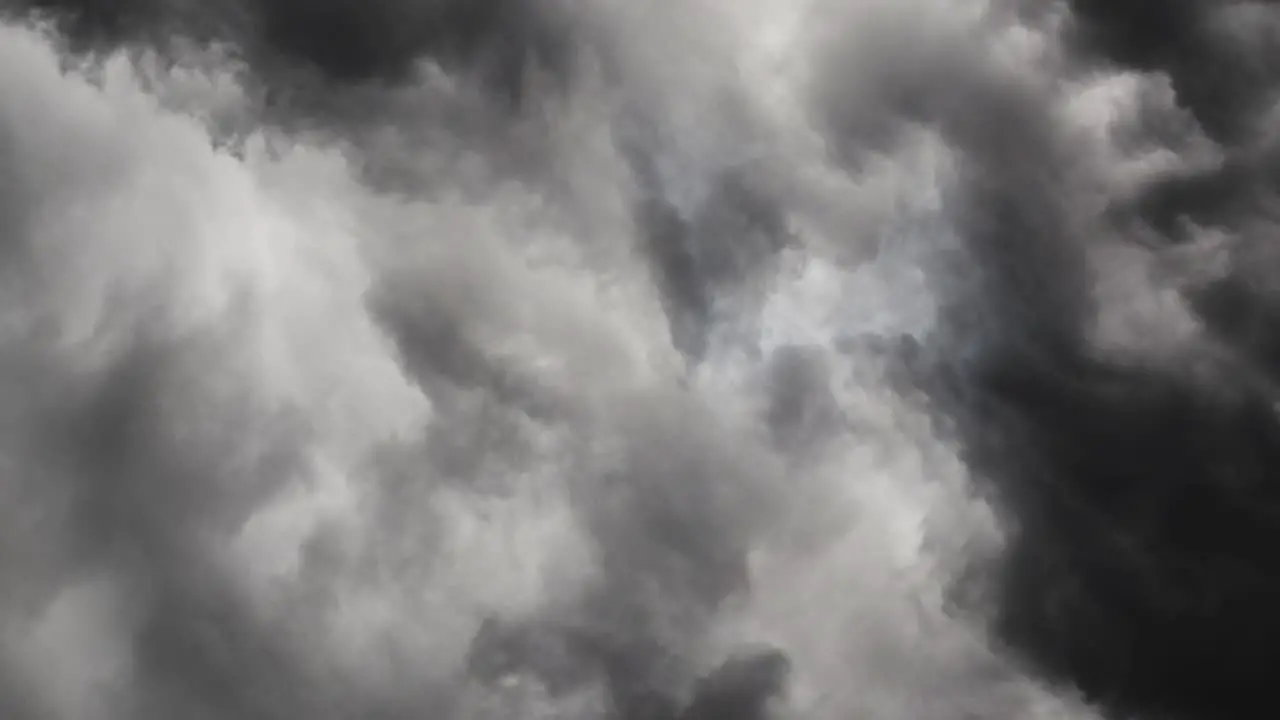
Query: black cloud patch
(1142, 499)
(1219, 74)
(495, 41)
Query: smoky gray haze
(622, 360)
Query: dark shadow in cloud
(202, 654)
(1013, 203)
(148, 491)
(437, 352)
(565, 658)
(1143, 504)
(707, 252)
(1222, 81)
(1239, 316)
(686, 294)
(740, 688)
(151, 507)
(802, 411)
(496, 43)
(1012, 206)
(92, 24)
(1222, 60)
(1215, 197)
(1143, 567)
(157, 505)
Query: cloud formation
(663, 361)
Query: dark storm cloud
(1142, 500)
(1142, 569)
(1219, 56)
(1221, 60)
(345, 41)
(1019, 197)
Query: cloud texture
(695, 360)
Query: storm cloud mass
(671, 360)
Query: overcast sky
(667, 360)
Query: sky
(667, 360)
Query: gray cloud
(688, 360)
